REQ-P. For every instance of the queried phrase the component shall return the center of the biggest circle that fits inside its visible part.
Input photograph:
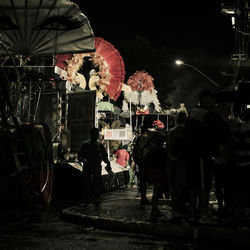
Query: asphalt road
(43, 229)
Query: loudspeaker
(81, 116)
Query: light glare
(179, 62)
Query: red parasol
(110, 63)
(115, 64)
(141, 81)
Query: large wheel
(39, 174)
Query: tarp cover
(44, 27)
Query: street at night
(124, 125)
(45, 228)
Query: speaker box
(81, 116)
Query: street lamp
(180, 62)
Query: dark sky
(194, 31)
(180, 24)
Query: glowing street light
(180, 62)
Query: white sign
(118, 134)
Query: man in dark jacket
(207, 131)
(92, 153)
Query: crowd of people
(200, 152)
(199, 144)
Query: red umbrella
(110, 63)
(115, 64)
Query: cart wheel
(39, 175)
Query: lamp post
(180, 62)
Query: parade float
(43, 116)
(102, 73)
(140, 91)
(140, 100)
(106, 75)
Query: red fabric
(158, 124)
(141, 81)
(112, 58)
(122, 157)
(115, 64)
(61, 60)
(146, 112)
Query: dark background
(150, 35)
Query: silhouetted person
(157, 171)
(92, 153)
(142, 164)
(207, 131)
(177, 167)
(242, 171)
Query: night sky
(194, 31)
(180, 25)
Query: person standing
(157, 176)
(242, 170)
(122, 156)
(177, 167)
(143, 165)
(208, 133)
(91, 154)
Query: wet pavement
(121, 211)
(119, 223)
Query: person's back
(122, 157)
(140, 148)
(144, 147)
(176, 143)
(206, 130)
(196, 131)
(92, 153)
(207, 127)
(177, 154)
